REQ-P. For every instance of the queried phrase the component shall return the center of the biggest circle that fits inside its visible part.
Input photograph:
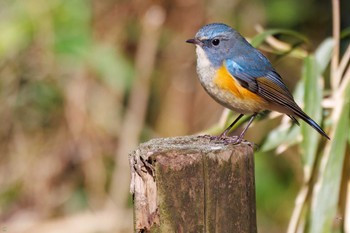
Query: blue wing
(248, 67)
(254, 72)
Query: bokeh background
(83, 82)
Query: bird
(239, 77)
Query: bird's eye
(215, 42)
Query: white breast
(205, 69)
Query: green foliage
(71, 27)
(283, 186)
(322, 179)
(326, 196)
(9, 196)
(287, 12)
(111, 66)
(312, 99)
(39, 104)
(260, 38)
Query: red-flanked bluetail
(241, 78)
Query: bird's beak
(194, 41)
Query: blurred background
(82, 83)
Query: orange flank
(226, 81)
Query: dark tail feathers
(311, 122)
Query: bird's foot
(205, 136)
(234, 140)
(210, 137)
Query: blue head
(221, 42)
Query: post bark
(191, 184)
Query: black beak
(194, 41)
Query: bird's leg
(238, 139)
(227, 130)
(246, 128)
(223, 135)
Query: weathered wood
(190, 184)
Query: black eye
(215, 42)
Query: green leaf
(326, 194)
(323, 54)
(16, 28)
(259, 39)
(281, 136)
(72, 28)
(314, 66)
(111, 65)
(345, 33)
(312, 101)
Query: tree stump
(192, 184)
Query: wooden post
(190, 184)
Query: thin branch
(135, 114)
(336, 36)
(299, 205)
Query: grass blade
(259, 39)
(312, 100)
